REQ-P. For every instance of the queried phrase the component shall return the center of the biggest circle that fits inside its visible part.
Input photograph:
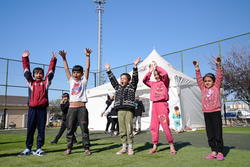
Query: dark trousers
(109, 121)
(74, 116)
(114, 125)
(36, 119)
(213, 123)
(61, 130)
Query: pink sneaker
(210, 156)
(220, 157)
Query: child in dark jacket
(38, 102)
(64, 105)
(124, 103)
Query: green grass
(104, 149)
(245, 130)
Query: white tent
(183, 92)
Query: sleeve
(64, 107)
(199, 78)
(164, 75)
(51, 71)
(142, 106)
(108, 110)
(113, 80)
(135, 79)
(146, 79)
(219, 77)
(26, 69)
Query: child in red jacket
(38, 102)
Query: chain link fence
(12, 82)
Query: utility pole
(100, 11)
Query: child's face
(38, 75)
(157, 76)
(208, 82)
(124, 80)
(65, 98)
(77, 75)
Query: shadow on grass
(227, 149)
(11, 142)
(148, 146)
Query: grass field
(190, 145)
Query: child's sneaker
(25, 152)
(220, 157)
(39, 152)
(131, 151)
(210, 156)
(122, 151)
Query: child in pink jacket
(211, 107)
(160, 109)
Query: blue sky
(131, 28)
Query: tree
(54, 109)
(236, 72)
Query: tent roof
(177, 78)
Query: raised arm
(111, 76)
(87, 53)
(219, 77)
(52, 67)
(146, 79)
(163, 74)
(65, 63)
(135, 78)
(26, 66)
(198, 74)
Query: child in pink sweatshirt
(211, 107)
(160, 110)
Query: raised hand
(151, 67)
(107, 66)
(62, 53)
(88, 51)
(137, 61)
(196, 64)
(218, 61)
(26, 53)
(54, 55)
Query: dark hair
(176, 107)
(210, 75)
(65, 95)
(37, 69)
(127, 75)
(77, 68)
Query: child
(111, 112)
(64, 104)
(177, 119)
(160, 110)
(124, 103)
(110, 99)
(139, 109)
(38, 102)
(78, 112)
(211, 107)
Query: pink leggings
(159, 116)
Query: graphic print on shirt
(159, 90)
(76, 89)
(209, 98)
